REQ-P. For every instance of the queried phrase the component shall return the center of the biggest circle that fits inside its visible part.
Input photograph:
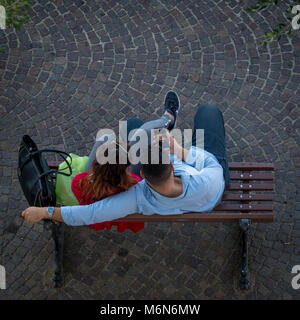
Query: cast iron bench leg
(58, 238)
(244, 279)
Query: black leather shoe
(172, 105)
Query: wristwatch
(50, 211)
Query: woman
(104, 180)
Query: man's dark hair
(159, 171)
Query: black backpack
(36, 178)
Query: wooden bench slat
(250, 166)
(243, 207)
(251, 176)
(243, 166)
(199, 217)
(250, 186)
(247, 197)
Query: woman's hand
(33, 215)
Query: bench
(247, 199)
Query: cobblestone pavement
(82, 65)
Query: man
(168, 188)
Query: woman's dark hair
(104, 178)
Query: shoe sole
(175, 120)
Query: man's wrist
(45, 213)
(181, 153)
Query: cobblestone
(78, 66)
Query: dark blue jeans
(209, 118)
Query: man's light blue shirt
(202, 181)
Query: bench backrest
(248, 196)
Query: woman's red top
(121, 226)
